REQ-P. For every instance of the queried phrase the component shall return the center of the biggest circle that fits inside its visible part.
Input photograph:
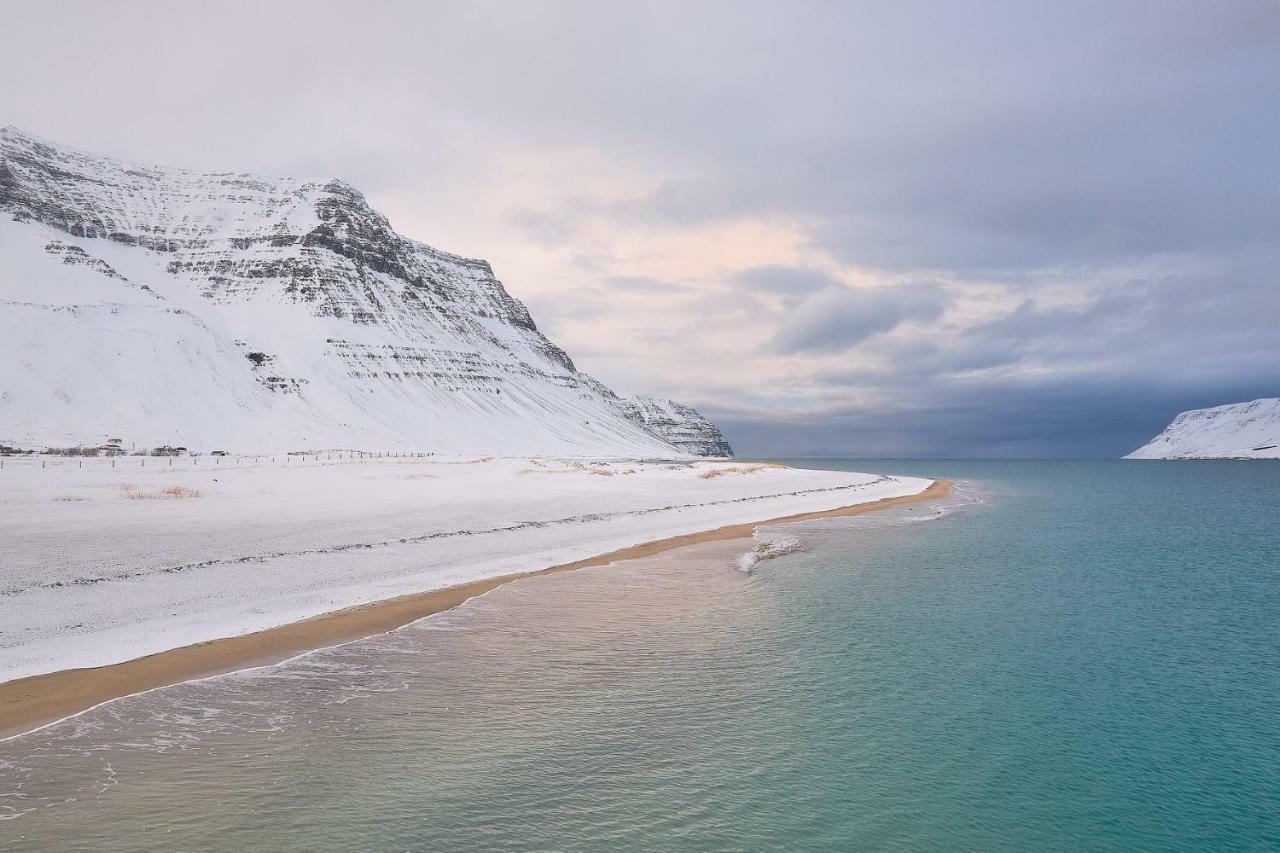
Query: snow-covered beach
(109, 562)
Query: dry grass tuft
(737, 469)
(132, 493)
(582, 469)
(181, 492)
(70, 498)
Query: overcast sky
(973, 229)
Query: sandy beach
(743, 491)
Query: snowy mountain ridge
(167, 306)
(679, 424)
(1234, 431)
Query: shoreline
(33, 702)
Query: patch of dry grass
(599, 472)
(133, 493)
(737, 469)
(70, 498)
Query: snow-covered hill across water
(164, 306)
(1235, 431)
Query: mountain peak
(225, 309)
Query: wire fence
(124, 461)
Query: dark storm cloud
(1093, 379)
(837, 318)
(1057, 418)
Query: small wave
(962, 497)
(770, 543)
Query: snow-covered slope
(1236, 431)
(679, 424)
(165, 306)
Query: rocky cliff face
(681, 425)
(1236, 431)
(171, 306)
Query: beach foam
(770, 542)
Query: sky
(967, 229)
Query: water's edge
(37, 702)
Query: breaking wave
(770, 543)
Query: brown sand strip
(27, 703)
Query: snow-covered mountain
(1236, 431)
(165, 306)
(679, 424)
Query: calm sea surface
(1067, 655)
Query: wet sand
(29, 703)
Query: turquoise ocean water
(1064, 656)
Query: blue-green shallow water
(1088, 658)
